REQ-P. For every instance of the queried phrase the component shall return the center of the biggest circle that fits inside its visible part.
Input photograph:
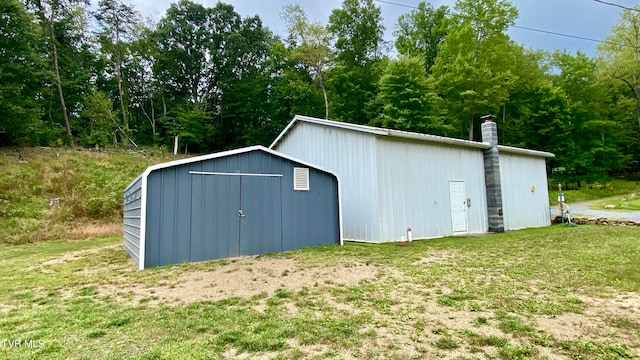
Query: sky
(583, 18)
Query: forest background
(77, 73)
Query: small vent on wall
(300, 178)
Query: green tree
(420, 32)
(531, 86)
(21, 74)
(98, 110)
(311, 46)
(183, 57)
(595, 137)
(48, 11)
(117, 23)
(357, 29)
(620, 55)
(292, 91)
(244, 89)
(407, 97)
(473, 68)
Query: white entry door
(458, 200)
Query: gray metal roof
(404, 134)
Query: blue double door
(235, 215)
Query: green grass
(588, 192)
(629, 202)
(483, 296)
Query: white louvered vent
(300, 178)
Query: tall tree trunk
(471, 124)
(153, 120)
(326, 102)
(637, 96)
(125, 122)
(57, 75)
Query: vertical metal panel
(524, 208)
(261, 224)
(413, 185)
(309, 218)
(131, 211)
(350, 155)
(169, 214)
(214, 221)
(181, 250)
(154, 221)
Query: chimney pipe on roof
(487, 118)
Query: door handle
(240, 213)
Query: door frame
(464, 198)
(239, 210)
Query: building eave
(379, 132)
(528, 152)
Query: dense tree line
(207, 79)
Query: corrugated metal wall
(524, 208)
(413, 187)
(389, 184)
(350, 155)
(194, 217)
(132, 209)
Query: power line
(534, 29)
(564, 35)
(397, 4)
(616, 5)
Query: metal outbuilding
(241, 202)
(393, 180)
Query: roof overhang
(404, 135)
(379, 132)
(527, 152)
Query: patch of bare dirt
(76, 255)
(617, 304)
(435, 257)
(598, 320)
(245, 278)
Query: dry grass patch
(243, 277)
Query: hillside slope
(54, 193)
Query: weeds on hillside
(44, 192)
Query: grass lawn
(629, 202)
(556, 293)
(620, 189)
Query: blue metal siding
(132, 202)
(192, 217)
(261, 226)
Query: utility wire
(529, 28)
(617, 5)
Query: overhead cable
(555, 33)
(617, 5)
